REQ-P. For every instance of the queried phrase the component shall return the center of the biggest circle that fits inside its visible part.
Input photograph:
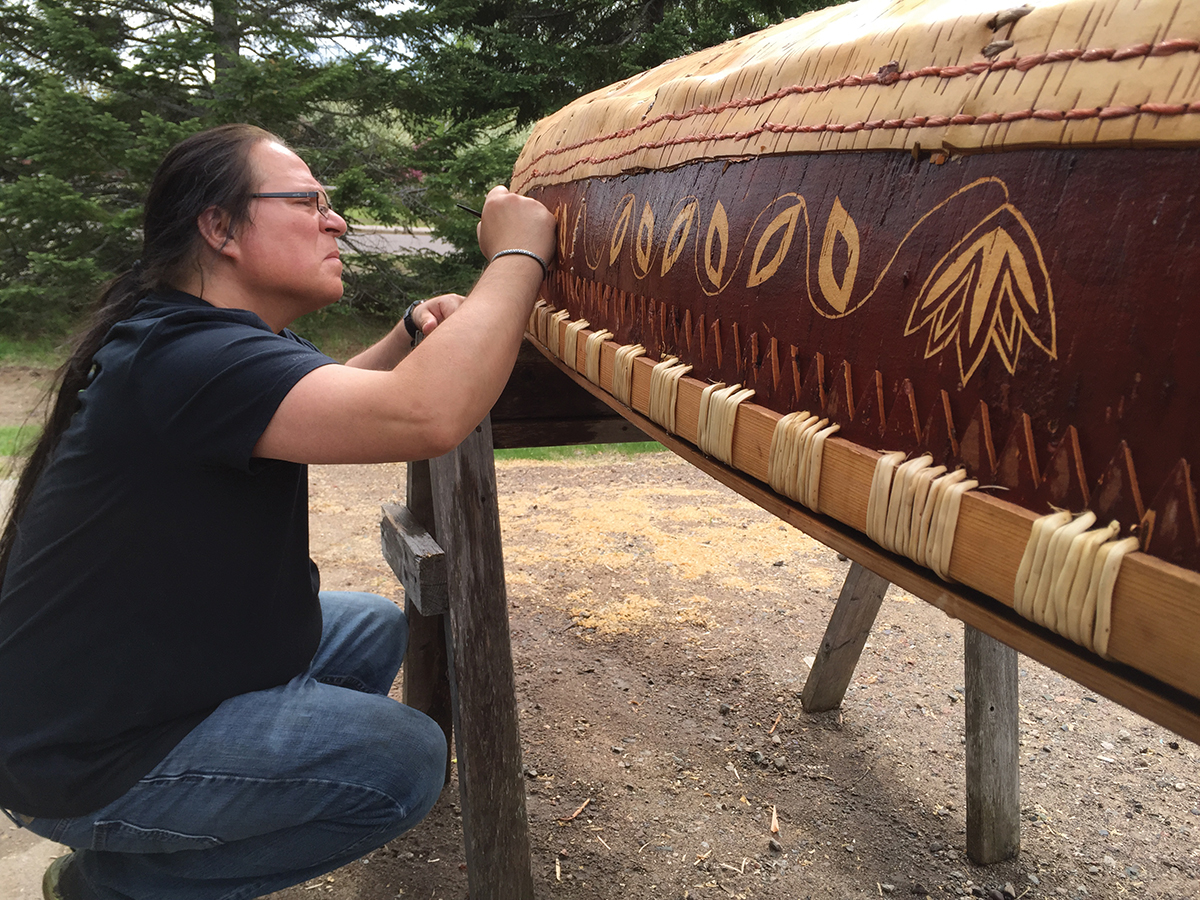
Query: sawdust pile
(630, 555)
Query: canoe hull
(1031, 315)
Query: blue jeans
(276, 786)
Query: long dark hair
(209, 169)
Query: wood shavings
(575, 815)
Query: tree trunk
(227, 36)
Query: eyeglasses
(321, 198)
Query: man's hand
(513, 222)
(434, 311)
(427, 315)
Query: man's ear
(214, 227)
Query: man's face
(287, 251)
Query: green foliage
(93, 92)
(404, 112)
(533, 56)
(480, 72)
(340, 331)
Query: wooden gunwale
(1156, 606)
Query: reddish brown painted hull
(1032, 314)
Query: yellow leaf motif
(837, 290)
(718, 236)
(560, 219)
(785, 222)
(644, 243)
(678, 235)
(592, 238)
(991, 290)
(619, 229)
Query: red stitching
(1175, 45)
(1131, 52)
(1107, 112)
(1165, 109)
(1118, 112)
(1023, 64)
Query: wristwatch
(411, 326)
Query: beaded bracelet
(530, 254)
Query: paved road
(395, 240)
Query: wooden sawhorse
(445, 546)
(991, 695)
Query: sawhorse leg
(467, 519)
(993, 776)
(845, 636)
(445, 548)
(993, 747)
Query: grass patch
(46, 351)
(340, 332)
(577, 451)
(18, 440)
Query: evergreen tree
(93, 92)
(403, 112)
(480, 72)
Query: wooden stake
(575, 814)
(426, 665)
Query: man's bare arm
(434, 395)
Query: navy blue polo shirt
(159, 569)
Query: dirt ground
(662, 629)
